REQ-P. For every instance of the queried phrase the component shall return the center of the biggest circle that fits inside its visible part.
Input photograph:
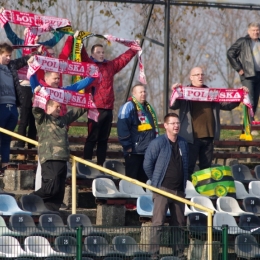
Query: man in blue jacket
(166, 165)
(136, 128)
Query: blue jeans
(8, 120)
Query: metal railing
(75, 159)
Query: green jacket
(53, 134)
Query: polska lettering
(67, 67)
(30, 19)
(210, 95)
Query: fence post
(225, 242)
(79, 243)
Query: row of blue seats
(49, 225)
(228, 205)
(248, 224)
(93, 246)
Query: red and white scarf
(46, 23)
(66, 97)
(134, 46)
(211, 95)
(62, 66)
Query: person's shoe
(254, 133)
(20, 157)
(63, 206)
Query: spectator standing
(166, 165)
(136, 127)
(200, 123)
(11, 96)
(103, 96)
(53, 150)
(244, 57)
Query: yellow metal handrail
(123, 177)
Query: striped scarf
(144, 120)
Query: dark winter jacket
(128, 135)
(240, 56)
(157, 158)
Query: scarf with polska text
(84, 69)
(134, 45)
(41, 22)
(211, 95)
(144, 120)
(66, 97)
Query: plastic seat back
(229, 205)
(96, 245)
(8, 206)
(126, 245)
(144, 206)
(252, 204)
(10, 246)
(23, 224)
(257, 172)
(106, 188)
(246, 246)
(115, 166)
(242, 173)
(40, 246)
(88, 172)
(133, 190)
(254, 188)
(190, 190)
(222, 218)
(202, 201)
(52, 224)
(249, 222)
(241, 192)
(34, 204)
(76, 220)
(66, 244)
(197, 222)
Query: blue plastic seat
(8, 206)
(242, 173)
(99, 246)
(24, 225)
(35, 204)
(66, 244)
(250, 223)
(115, 165)
(128, 246)
(87, 172)
(246, 246)
(144, 206)
(53, 225)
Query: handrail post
(209, 236)
(79, 243)
(224, 242)
(73, 184)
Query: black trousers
(26, 118)
(98, 133)
(134, 167)
(202, 148)
(253, 85)
(53, 183)
(177, 222)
